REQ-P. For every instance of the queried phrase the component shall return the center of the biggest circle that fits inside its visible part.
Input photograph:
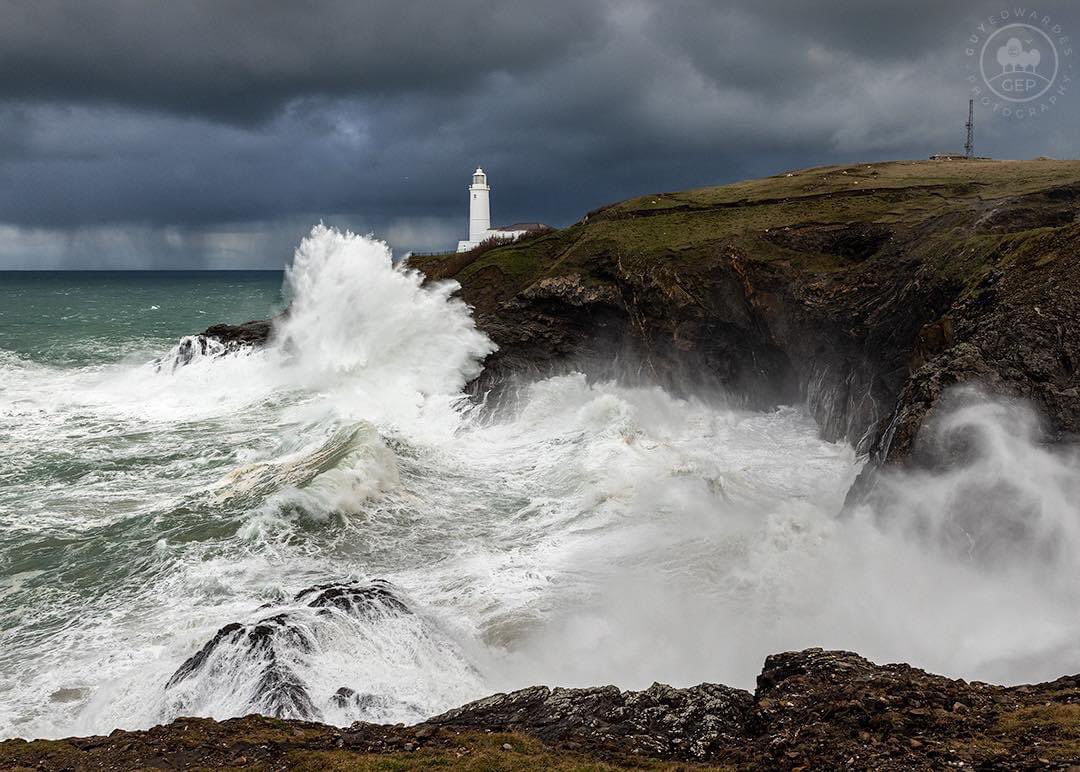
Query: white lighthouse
(480, 217)
(479, 207)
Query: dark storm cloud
(213, 133)
(240, 60)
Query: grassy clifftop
(865, 290)
(686, 227)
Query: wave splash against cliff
(594, 534)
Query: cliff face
(812, 709)
(866, 290)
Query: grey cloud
(261, 119)
(242, 245)
(241, 60)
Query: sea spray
(598, 533)
(732, 549)
(360, 324)
(336, 651)
(998, 497)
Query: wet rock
(343, 697)
(659, 721)
(264, 653)
(221, 339)
(278, 691)
(363, 600)
(374, 704)
(254, 333)
(193, 347)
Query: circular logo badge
(1019, 62)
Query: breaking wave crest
(356, 318)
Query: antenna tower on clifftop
(969, 145)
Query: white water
(598, 534)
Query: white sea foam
(598, 534)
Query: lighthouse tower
(479, 211)
(479, 207)
(480, 217)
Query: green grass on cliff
(1056, 725)
(477, 752)
(260, 743)
(951, 178)
(765, 220)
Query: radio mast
(969, 145)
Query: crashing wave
(266, 648)
(349, 466)
(279, 664)
(189, 349)
(218, 340)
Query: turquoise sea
(72, 318)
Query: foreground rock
(701, 723)
(813, 709)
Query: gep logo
(1024, 63)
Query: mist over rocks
(218, 340)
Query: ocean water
(593, 533)
(87, 318)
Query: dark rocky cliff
(866, 290)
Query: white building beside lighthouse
(480, 217)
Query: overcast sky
(214, 133)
